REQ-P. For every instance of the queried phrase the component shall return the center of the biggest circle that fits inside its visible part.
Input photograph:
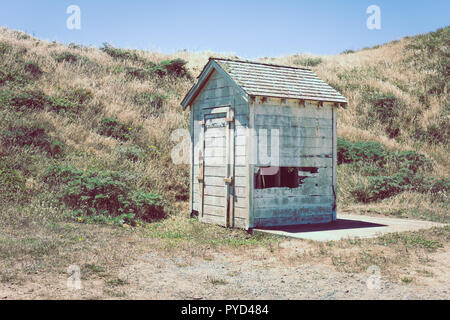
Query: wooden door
(218, 167)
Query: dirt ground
(294, 269)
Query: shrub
(66, 56)
(27, 135)
(427, 184)
(6, 77)
(112, 127)
(62, 105)
(440, 131)
(147, 206)
(384, 106)
(130, 153)
(70, 57)
(105, 193)
(137, 73)
(4, 48)
(151, 103)
(373, 161)
(71, 101)
(381, 187)
(370, 152)
(33, 69)
(79, 95)
(29, 100)
(56, 148)
(411, 160)
(308, 62)
(361, 151)
(348, 51)
(176, 68)
(436, 132)
(120, 53)
(21, 74)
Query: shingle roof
(269, 80)
(261, 79)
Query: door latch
(228, 180)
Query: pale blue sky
(248, 28)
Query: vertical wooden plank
(191, 182)
(334, 161)
(201, 180)
(230, 167)
(227, 172)
(250, 163)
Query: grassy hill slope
(85, 132)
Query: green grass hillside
(85, 133)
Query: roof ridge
(260, 63)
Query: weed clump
(308, 62)
(36, 100)
(4, 48)
(389, 173)
(33, 69)
(131, 153)
(20, 74)
(385, 108)
(151, 104)
(99, 195)
(112, 127)
(173, 68)
(147, 70)
(67, 56)
(122, 54)
(31, 135)
(361, 151)
(32, 100)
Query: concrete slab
(349, 226)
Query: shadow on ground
(339, 224)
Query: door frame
(228, 113)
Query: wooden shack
(263, 145)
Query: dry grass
(36, 238)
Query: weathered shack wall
(219, 91)
(307, 141)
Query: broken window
(289, 177)
(282, 177)
(267, 177)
